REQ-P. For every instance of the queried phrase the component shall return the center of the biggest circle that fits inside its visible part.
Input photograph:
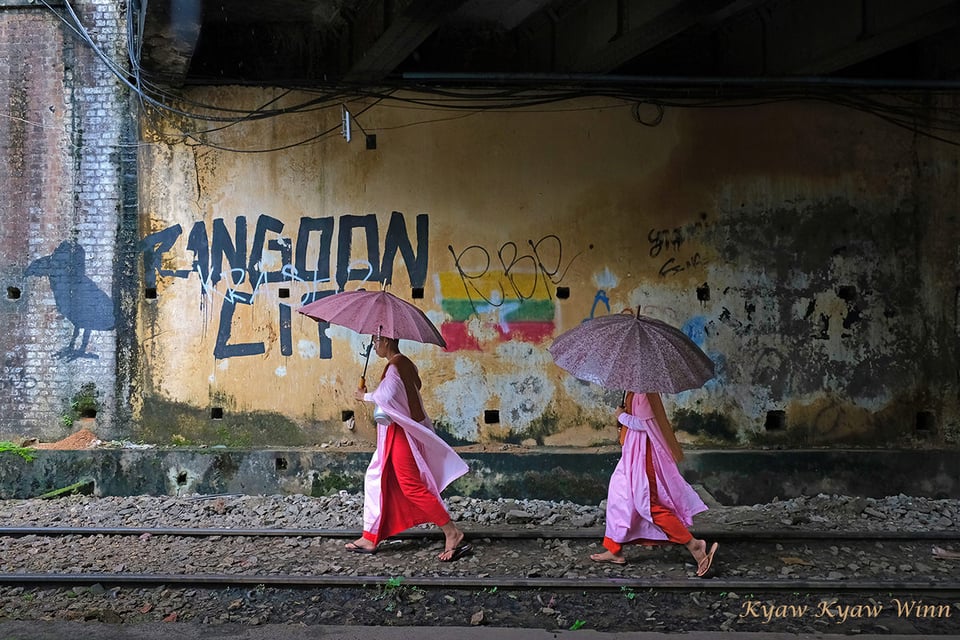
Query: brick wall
(64, 127)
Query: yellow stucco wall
(805, 247)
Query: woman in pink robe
(411, 464)
(648, 501)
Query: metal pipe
(472, 582)
(727, 535)
(685, 81)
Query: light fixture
(345, 126)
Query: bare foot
(453, 540)
(607, 556)
(697, 548)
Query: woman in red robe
(648, 501)
(411, 464)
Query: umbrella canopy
(632, 352)
(375, 312)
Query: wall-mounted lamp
(345, 122)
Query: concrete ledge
(732, 477)
(751, 477)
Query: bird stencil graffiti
(77, 297)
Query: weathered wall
(809, 249)
(731, 477)
(66, 139)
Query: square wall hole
(563, 293)
(283, 292)
(216, 413)
(926, 422)
(346, 414)
(703, 292)
(13, 293)
(281, 464)
(150, 293)
(491, 416)
(416, 293)
(847, 292)
(776, 420)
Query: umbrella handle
(621, 430)
(366, 361)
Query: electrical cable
(904, 104)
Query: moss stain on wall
(712, 426)
(327, 483)
(164, 422)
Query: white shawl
(439, 464)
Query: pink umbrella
(377, 313)
(632, 352)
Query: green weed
(24, 452)
(392, 588)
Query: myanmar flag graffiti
(518, 306)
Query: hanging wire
(911, 106)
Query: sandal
(355, 548)
(458, 552)
(704, 565)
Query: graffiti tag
(272, 258)
(664, 241)
(544, 261)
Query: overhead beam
(401, 36)
(732, 9)
(912, 22)
(507, 14)
(626, 39)
(171, 30)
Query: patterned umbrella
(632, 352)
(377, 313)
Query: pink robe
(439, 464)
(628, 497)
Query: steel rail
(472, 582)
(729, 535)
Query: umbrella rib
(369, 312)
(623, 340)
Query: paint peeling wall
(810, 250)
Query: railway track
(495, 542)
(690, 585)
(493, 533)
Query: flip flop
(595, 558)
(459, 552)
(355, 548)
(707, 562)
